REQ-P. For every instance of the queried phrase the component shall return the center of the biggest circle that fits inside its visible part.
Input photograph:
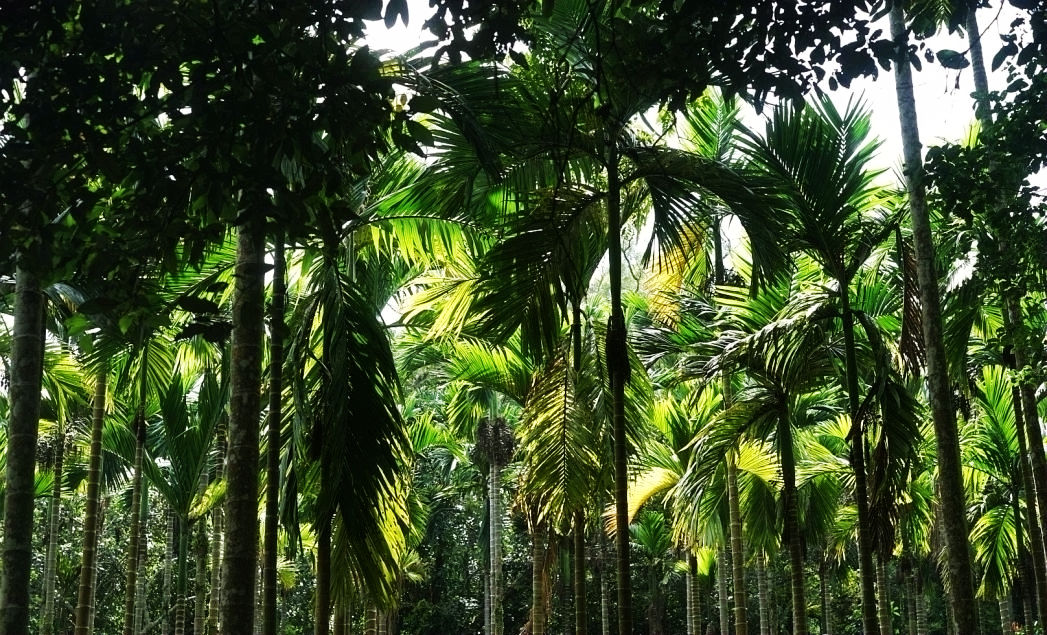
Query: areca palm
(818, 159)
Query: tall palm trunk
(182, 579)
(217, 539)
(691, 589)
(143, 551)
(85, 594)
(27, 356)
(792, 530)
(495, 535)
(323, 577)
(133, 549)
(741, 620)
(277, 333)
(91, 612)
(341, 618)
(200, 576)
(170, 558)
(581, 615)
(1029, 491)
(762, 589)
(241, 461)
(865, 547)
(618, 367)
(605, 592)
(1006, 619)
(823, 583)
(54, 516)
(921, 605)
(370, 620)
(950, 481)
(538, 546)
(883, 595)
(721, 590)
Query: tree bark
(867, 571)
(495, 523)
(618, 367)
(277, 333)
(792, 529)
(182, 584)
(170, 558)
(1006, 619)
(133, 549)
(883, 596)
(762, 594)
(85, 595)
(241, 497)
(741, 620)
(537, 591)
(27, 356)
(690, 586)
(1029, 491)
(823, 582)
(217, 539)
(581, 615)
(54, 517)
(950, 481)
(200, 576)
(721, 590)
(322, 612)
(605, 593)
(143, 551)
(371, 620)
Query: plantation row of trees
(300, 336)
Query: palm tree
(953, 518)
(817, 158)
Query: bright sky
(943, 96)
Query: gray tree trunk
(741, 620)
(140, 607)
(883, 597)
(762, 594)
(134, 546)
(27, 357)
(721, 590)
(823, 582)
(169, 566)
(89, 566)
(241, 462)
(495, 496)
(277, 333)
(200, 575)
(950, 481)
(54, 520)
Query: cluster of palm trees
(713, 344)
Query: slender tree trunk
(1029, 491)
(910, 600)
(241, 461)
(170, 558)
(133, 556)
(323, 577)
(217, 539)
(792, 529)
(1006, 619)
(538, 615)
(143, 551)
(741, 620)
(85, 595)
(339, 618)
(981, 81)
(690, 594)
(762, 593)
(182, 584)
(605, 592)
(27, 356)
(488, 587)
(370, 620)
(883, 596)
(721, 590)
(94, 574)
(54, 517)
(495, 524)
(581, 615)
(200, 577)
(857, 437)
(618, 367)
(950, 480)
(277, 331)
(823, 582)
(921, 605)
